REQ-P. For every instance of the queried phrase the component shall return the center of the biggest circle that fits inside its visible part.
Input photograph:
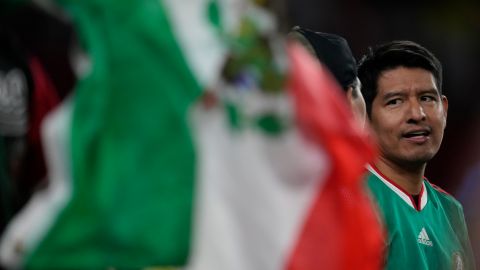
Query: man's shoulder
(443, 196)
(373, 179)
(376, 187)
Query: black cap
(333, 51)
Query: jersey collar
(407, 198)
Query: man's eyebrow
(394, 93)
(429, 91)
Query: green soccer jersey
(430, 235)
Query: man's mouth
(417, 136)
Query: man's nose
(416, 111)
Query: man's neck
(410, 178)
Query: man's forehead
(406, 79)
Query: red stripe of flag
(342, 230)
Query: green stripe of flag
(132, 154)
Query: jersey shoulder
(377, 189)
(372, 181)
(444, 197)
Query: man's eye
(395, 101)
(428, 98)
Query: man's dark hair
(389, 56)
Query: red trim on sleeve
(438, 188)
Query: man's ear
(357, 105)
(350, 95)
(445, 108)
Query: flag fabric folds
(294, 201)
(183, 146)
(342, 217)
(131, 155)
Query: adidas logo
(423, 238)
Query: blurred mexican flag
(195, 140)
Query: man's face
(408, 116)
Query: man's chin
(411, 159)
(418, 160)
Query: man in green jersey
(402, 84)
